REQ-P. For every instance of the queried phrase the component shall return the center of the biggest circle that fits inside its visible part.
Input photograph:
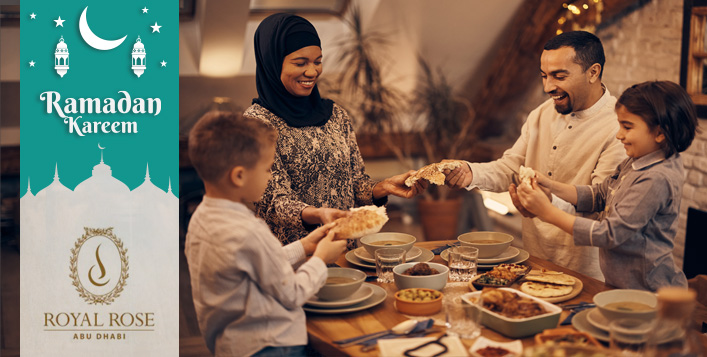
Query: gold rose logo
(99, 266)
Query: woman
(318, 171)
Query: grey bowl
(369, 241)
(486, 250)
(341, 291)
(436, 281)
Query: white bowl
(341, 291)
(602, 299)
(369, 241)
(436, 281)
(482, 241)
(516, 328)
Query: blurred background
(449, 78)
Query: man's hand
(513, 191)
(459, 177)
(395, 185)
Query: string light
(580, 15)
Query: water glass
(386, 260)
(462, 319)
(462, 263)
(628, 336)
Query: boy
(248, 298)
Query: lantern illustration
(138, 57)
(61, 58)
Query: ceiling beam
(222, 29)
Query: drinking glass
(462, 263)
(628, 336)
(386, 260)
(462, 319)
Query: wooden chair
(695, 243)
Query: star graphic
(144, 10)
(59, 22)
(156, 28)
(164, 64)
(31, 63)
(32, 16)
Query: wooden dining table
(323, 329)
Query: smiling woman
(318, 172)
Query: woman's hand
(328, 249)
(309, 243)
(460, 177)
(321, 215)
(396, 186)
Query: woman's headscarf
(276, 37)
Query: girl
(639, 203)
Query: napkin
(582, 306)
(397, 347)
(439, 250)
(421, 326)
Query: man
(574, 143)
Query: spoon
(400, 329)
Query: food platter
(425, 256)
(576, 289)
(376, 298)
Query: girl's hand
(534, 199)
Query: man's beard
(564, 110)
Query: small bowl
(490, 244)
(369, 241)
(605, 298)
(418, 308)
(435, 281)
(331, 292)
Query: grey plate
(378, 297)
(580, 322)
(351, 257)
(363, 293)
(521, 257)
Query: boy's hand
(328, 249)
(534, 199)
(460, 177)
(309, 243)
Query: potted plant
(447, 123)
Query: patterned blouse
(318, 166)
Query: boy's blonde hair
(220, 141)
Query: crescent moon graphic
(99, 146)
(93, 40)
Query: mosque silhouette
(101, 182)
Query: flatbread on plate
(552, 278)
(362, 221)
(545, 290)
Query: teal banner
(99, 129)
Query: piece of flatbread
(434, 173)
(526, 175)
(545, 290)
(362, 221)
(560, 279)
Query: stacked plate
(511, 255)
(361, 258)
(367, 296)
(593, 322)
